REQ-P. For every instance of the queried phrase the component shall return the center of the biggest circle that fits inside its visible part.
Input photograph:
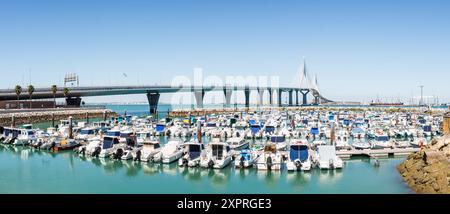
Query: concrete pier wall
(46, 116)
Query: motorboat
(238, 143)
(86, 133)
(298, 157)
(361, 145)
(192, 152)
(109, 145)
(381, 141)
(327, 159)
(246, 158)
(269, 158)
(342, 143)
(151, 151)
(26, 136)
(218, 155)
(279, 141)
(171, 151)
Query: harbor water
(27, 170)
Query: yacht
(192, 152)
(151, 150)
(238, 143)
(25, 137)
(108, 146)
(269, 158)
(381, 141)
(299, 157)
(218, 156)
(279, 141)
(171, 151)
(327, 159)
(86, 133)
(246, 158)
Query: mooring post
(53, 119)
(70, 127)
(87, 117)
(104, 115)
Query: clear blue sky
(358, 49)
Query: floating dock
(376, 153)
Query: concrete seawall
(25, 117)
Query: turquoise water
(26, 170)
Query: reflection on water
(197, 179)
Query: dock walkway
(375, 153)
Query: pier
(376, 153)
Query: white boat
(26, 136)
(342, 143)
(86, 133)
(298, 156)
(269, 158)
(192, 152)
(361, 145)
(402, 144)
(171, 151)
(108, 146)
(93, 147)
(381, 141)
(279, 141)
(327, 159)
(151, 151)
(218, 156)
(246, 158)
(237, 143)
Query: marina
(238, 144)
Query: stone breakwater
(6, 119)
(201, 112)
(428, 171)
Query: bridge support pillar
(270, 96)
(304, 92)
(290, 98)
(260, 96)
(73, 101)
(153, 99)
(247, 97)
(199, 95)
(227, 92)
(280, 92)
(296, 97)
(316, 99)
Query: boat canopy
(427, 128)
(160, 127)
(194, 151)
(357, 130)
(382, 138)
(255, 128)
(298, 152)
(270, 129)
(277, 139)
(108, 142)
(315, 131)
(326, 152)
(113, 133)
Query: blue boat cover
(427, 128)
(298, 152)
(346, 122)
(255, 129)
(357, 130)
(194, 151)
(251, 121)
(270, 129)
(160, 127)
(107, 143)
(315, 131)
(277, 139)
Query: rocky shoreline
(6, 119)
(428, 171)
